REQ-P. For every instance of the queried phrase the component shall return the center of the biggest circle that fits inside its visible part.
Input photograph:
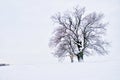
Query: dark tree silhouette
(78, 34)
(4, 64)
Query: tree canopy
(78, 34)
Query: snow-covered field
(87, 70)
(25, 30)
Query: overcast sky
(26, 26)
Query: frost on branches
(78, 34)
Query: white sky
(26, 26)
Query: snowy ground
(88, 70)
(25, 30)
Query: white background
(25, 30)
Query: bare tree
(78, 34)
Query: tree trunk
(80, 56)
(71, 57)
